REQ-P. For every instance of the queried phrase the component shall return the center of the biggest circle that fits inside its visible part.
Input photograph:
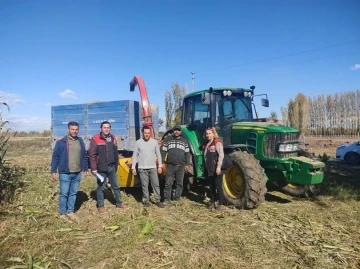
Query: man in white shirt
(145, 153)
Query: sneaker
(73, 217)
(159, 204)
(102, 210)
(65, 218)
(146, 204)
(211, 206)
(220, 208)
(166, 203)
(121, 206)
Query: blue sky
(70, 52)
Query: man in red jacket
(104, 160)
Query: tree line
(326, 115)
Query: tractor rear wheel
(244, 183)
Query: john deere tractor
(261, 152)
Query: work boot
(211, 206)
(160, 205)
(73, 217)
(146, 204)
(102, 210)
(220, 208)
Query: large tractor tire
(189, 176)
(244, 183)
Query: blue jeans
(111, 175)
(69, 185)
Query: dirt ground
(326, 145)
(284, 232)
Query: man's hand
(187, 168)
(94, 172)
(159, 170)
(85, 173)
(133, 171)
(54, 176)
(218, 171)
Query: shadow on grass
(341, 180)
(197, 194)
(108, 195)
(269, 197)
(81, 197)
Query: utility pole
(193, 80)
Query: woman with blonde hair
(214, 155)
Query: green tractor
(261, 152)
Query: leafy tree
(160, 122)
(273, 116)
(299, 112)
(173, 101)
(284, 116)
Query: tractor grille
(271, 140)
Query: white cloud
(12, 99)
(27, 123)
(68, 94)
(355, 67)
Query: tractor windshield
(226, 109)
(233, 108)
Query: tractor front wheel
(301, 191)
(244, 183)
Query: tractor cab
(219, 108)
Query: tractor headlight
(247, 94)
(227, 93)
(288, 147)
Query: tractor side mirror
(205, 98)
(265, 102)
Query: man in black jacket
(176, 155)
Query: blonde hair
(213, 130)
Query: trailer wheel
(244, 183)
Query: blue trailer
(125, 117)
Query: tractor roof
(219, 90)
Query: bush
(324, 158)
(10, 181)
(10, 176)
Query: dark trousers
(174, 172)
(112, 176)
(216, 185)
